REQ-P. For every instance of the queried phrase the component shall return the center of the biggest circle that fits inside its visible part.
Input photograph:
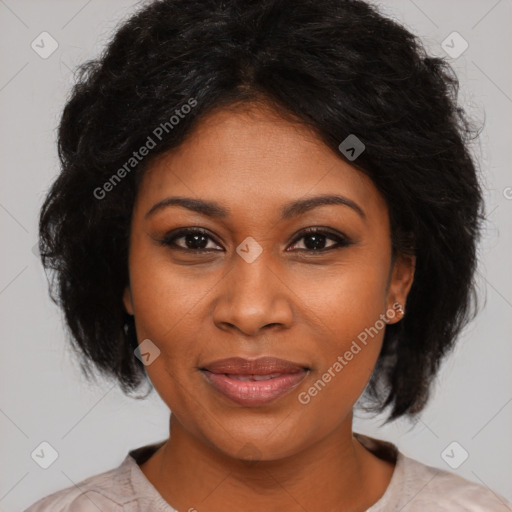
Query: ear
(402, 277)
(127, 300)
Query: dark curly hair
(337, 66)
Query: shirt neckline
(387, 451)
(381, 449)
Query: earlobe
(127, 300)
(401, 281)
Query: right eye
(195, 240)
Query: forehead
(250, 159)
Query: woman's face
(255, 291)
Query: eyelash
(341, 241)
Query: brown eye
(315, 240)
(194, 240)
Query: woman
(266, 208)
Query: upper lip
(260, 366)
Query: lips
(260, 366)
(253, 382)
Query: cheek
(164, 303)
(349, 308)
(347, 356)
(164, 294)
(347, 297)
(164, 309)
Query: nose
(252, 297)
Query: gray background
(43, 396)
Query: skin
(197, 308)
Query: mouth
(254, 382)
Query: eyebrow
(289, 210)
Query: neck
(335, 473)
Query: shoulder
(425, 486)
(107, 491)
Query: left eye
(315, 241)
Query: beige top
(414, 487)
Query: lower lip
(253, 393)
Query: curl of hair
(337, 66)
